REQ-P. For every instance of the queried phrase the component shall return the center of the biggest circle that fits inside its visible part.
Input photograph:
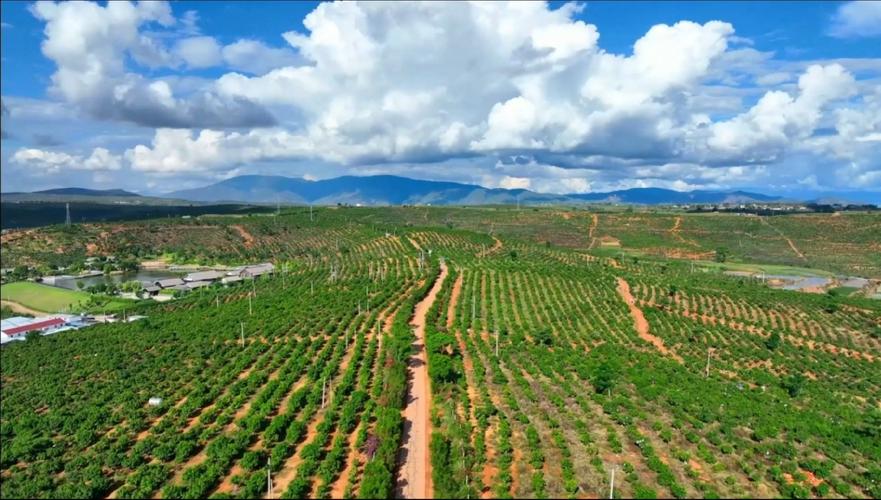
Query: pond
(143, 275)
(799, 282)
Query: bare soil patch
(249, 239)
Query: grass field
(52, 299)
(43, 297)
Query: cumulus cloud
(199, 51)
(762, 133)
(857, 19)
(255, 57)
(89, 44)
(396, 87)
(177, 151)
(429, 85)
(51, 162)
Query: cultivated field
(455, 353)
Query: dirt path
(414, 474)
(19, 308)
(794, 249)
(676, 231)
(595, 220)
(249, 240)
(642, 325)
(788, 241)
(495, 248)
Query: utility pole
(67, 217)
(250, 309)
(310, 213)
(323, 392)
(217, 300)
(497, 343)
(243, 333)
(612, 484)
(269, 477)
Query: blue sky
(776, 96)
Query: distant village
(774, 208)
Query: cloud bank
(439, 84)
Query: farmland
(458, 352)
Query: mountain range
(395, 190)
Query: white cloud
(51, 162)
(199, 51)
(177, 151)
(255, 57)
(89, 44)
(857, 19)
(509, 182)
(763, 132)
(537, 80)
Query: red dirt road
(642, 325)
(414, 473)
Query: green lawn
(52, 299)
(43, 297)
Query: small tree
(794, 384)
(543, 337)
(773, 342)
(605, 376)
(721, 254)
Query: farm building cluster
(201, 279)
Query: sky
(153, 97)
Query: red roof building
(39, 325)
